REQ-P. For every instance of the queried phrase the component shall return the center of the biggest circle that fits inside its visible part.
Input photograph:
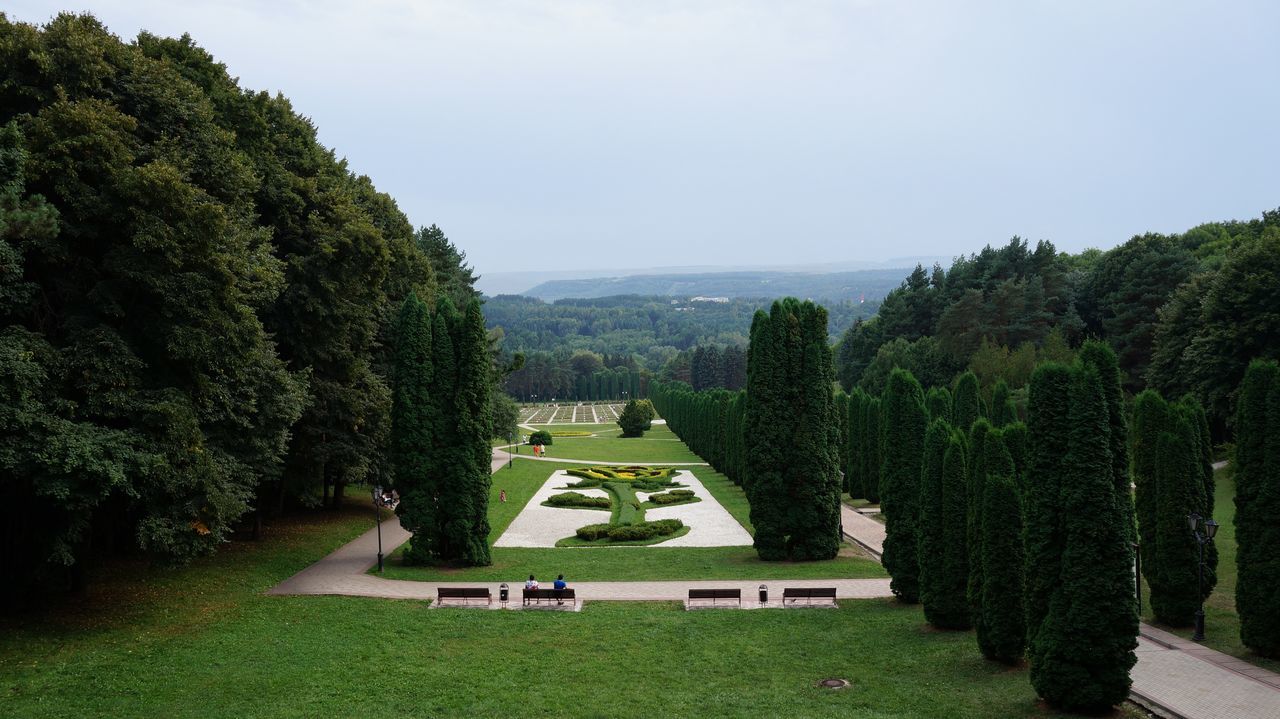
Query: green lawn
(583, 564)
(204, 641)
(658, 445)
(1221, 624)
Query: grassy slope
(1221, 625)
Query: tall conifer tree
(1002, 632)
(902, 448)
(966, 405)
(1257, 470)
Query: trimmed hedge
(675, 496)
(630, 532)
(626, 474)
(577, 499)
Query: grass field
(656, 446)
(204, 641)
(1221, 624)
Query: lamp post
(510, 457)
(1203, 530)
(383, 499)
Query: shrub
(644, 530)
(636, 418)
(569, 433)
(541, 436)
(593, 532)
(675, 496)
(576, 499)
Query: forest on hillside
(1184, 313)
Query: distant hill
(829, 286)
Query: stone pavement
(1174, 677)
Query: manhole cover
(834, 683)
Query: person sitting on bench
(559, 584)
(532, 583)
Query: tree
(1087, 572)
(635, 418)
(793, 451)
(943, 552)
(966, 406)
(412, 423)
(1257, 467)
(930, 557)
(901, 449)
(455, 277)
(938, 403)
(871, 462)
(1002, 632)
(1002, 409)
(1175, 595)
(505, 414)
(975, 489)
(1103, 360)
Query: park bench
(810, 595)
(465, 594)
(715, 595)
(538, 596)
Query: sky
(575, 135)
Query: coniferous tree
(1002, 632)
(997, 462)
(1257, 471)
(1102, 358)
(974, 491)
(468, 516)
(854, 460)
(1174, 597)
(1151, 417)
(1015, 440)
(1194, 413)
(1002, 409)
(901, 448)
(1048, 428)
(1083, 648)
(793, 452)
(938, 404)
(966, 404)
(932, 519)
(871, 463)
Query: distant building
(723, 300)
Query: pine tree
(966, 405)
(1257, 471)
(1083, 648)
(901, 448)
(1002, 632)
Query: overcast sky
(568, 135)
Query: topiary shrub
(675, 496)
(542, 437)
(577, 499)
(593, 532)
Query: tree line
(196, 304)
(1168, 304)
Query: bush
(675, 496)
(541, 436)
(593, 532)
(576, 499)
(629, 474)
(586, 484)
(569, 433)
(644, 530)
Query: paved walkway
(1174, 676)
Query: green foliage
(792, 435)
(871, 458)
(1103, 360)
(637, 474)
(675, 496)
(446, 507)
(577, 499)
(938, 403)
(1002, 631)
(975, 489)
(636, 418)
(943, 551)
(505, 416)
(902, 450)
(1082, 621)
(541, 437)
(1002, 410)
(1257, 468)
(967, 406)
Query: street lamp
(382, 499)
(510, 457)
(1203, 530)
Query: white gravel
(710, 524)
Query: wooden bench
(465, 594)
(715, 595)
(809, 594)
(538, 596)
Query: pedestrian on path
(502, 496)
